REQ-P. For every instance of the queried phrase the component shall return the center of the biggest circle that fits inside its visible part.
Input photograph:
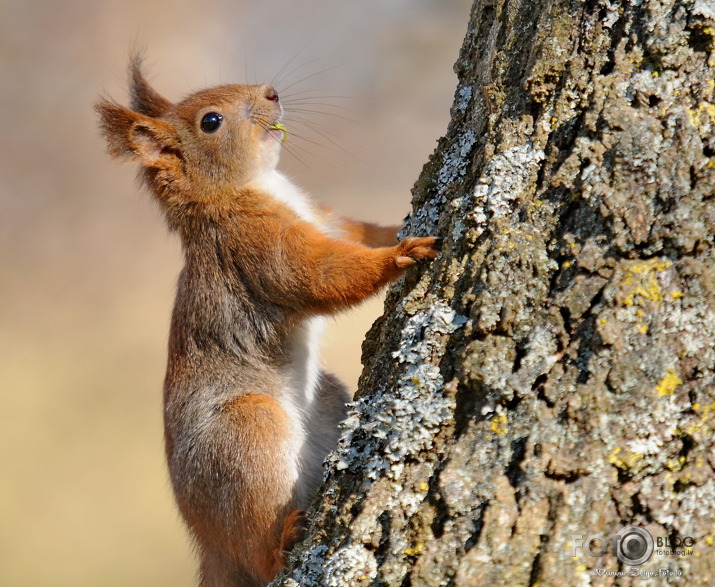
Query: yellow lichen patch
(424, 486)
(695, 114)
(418, 549)
(667, 385)
(643, 276)
(650, 265)
(651, 293)
(694, 429)
(709, 110)
(675, 464)
(676, 295)
(624, 459)
(498, 424)
(694, 117)
(643, 329)
(706, 410)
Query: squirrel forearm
(314, 273)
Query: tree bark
(552, 374)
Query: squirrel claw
(412, 248)
(404, 262)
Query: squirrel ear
(153, 141)
(144, 99)
(134, 135)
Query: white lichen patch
(311, 569)
(454, 166)
(704, 8)
(455, 163)
(506, 176)
(352, 564)
(384, 429)
(695, 327)
(458, 206)
(542, 350)
(691, 504)
(463, 97)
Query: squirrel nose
(271, 94)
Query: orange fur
(248, 416)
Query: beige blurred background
(87, 269)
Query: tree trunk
(550, 377)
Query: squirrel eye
(211, 121)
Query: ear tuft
(144, 99)
(130, 134)
(115, 121)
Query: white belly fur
(304, 363)
(283, 190)
(302, 371)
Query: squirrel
(249, 416)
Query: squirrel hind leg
(293, 531)
(243, 519)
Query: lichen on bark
(552, 373)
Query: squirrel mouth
(279, 132)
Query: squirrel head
(205, 146)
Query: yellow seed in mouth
(279, 126)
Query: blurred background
(87, 268)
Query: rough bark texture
(552, 373)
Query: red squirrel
(248, 414)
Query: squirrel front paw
(412, 248)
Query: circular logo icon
(635, 545)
